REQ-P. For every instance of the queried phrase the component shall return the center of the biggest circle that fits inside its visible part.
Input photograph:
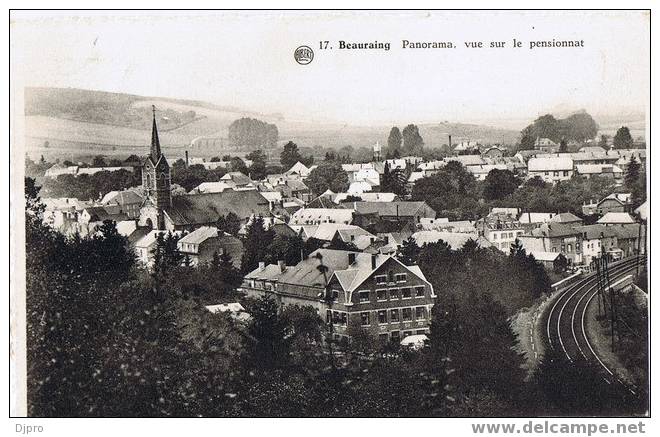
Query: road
(565, 323)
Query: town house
(373, 292)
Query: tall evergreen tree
(394, 141)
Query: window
(547, 173)
(328, 316)
(394, 315)
(394, 293)
(510, 234)
(494, 235)
(381, 294)
(556, 173)
(565, 173)
(570, 248)
(382, 316)
(420, 331)
(563, 247)
(363, 296)
(335, 295)
(364, 318)
(395, 336)
(406, 292)
(406, 314)
(420, 313)
(407, 334)
(400, 277)
(419, 291)
(381, 279)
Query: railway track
(565, 324)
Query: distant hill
(75, 122)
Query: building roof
(348, 235)
(124, 197)
(399, 208)
(593, 149)
(204, 208)
(311, 216)
(327, 231)
(643, 210)
(200, 235)
(549, 164)
(554, 230)
(456, 240)
(237, 178)
(596, 231)
(544, 256)
(623, 198)
(101, 213)
(616, 218)
(598, 169)
(212, 187)
(565, 217)
(298, 168)
(367, 197)
(150, 238)
(467, 160)
(535, 217)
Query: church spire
(155, 143)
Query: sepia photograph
(331, 214)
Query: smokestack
(262, 266)
(450, 141)
(186, 159)
(351, 258)
(373, 261)
(282, 265)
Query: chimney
(186, 159)
(450, 141)
(262, 266)
(282, 265)
(351, 258)
(387, 239)
(373, 261)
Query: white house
(551, 170)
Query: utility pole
(600, 290)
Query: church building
(156, 184)
(160, 211)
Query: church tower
(156, 181)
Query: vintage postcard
(331, 214)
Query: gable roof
(311, 216)
(200, 235)
(204, 208)
(398, 208)
(565, 217)
(616, 218)
(124, 197)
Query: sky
(245, 60)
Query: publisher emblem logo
(303, 55)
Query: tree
(451, 192)
(267, 343)
(409, 251)
(257, 241)
(290, 155)
(328, 175)
(258, 167)
(237, 164)
(251, 133)
(499, 184)
(229, 223)
(394, 141)
(563, 146)
(98, 161)
(603, 141)
(635, 182)
(412, 140)
(622, 138)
